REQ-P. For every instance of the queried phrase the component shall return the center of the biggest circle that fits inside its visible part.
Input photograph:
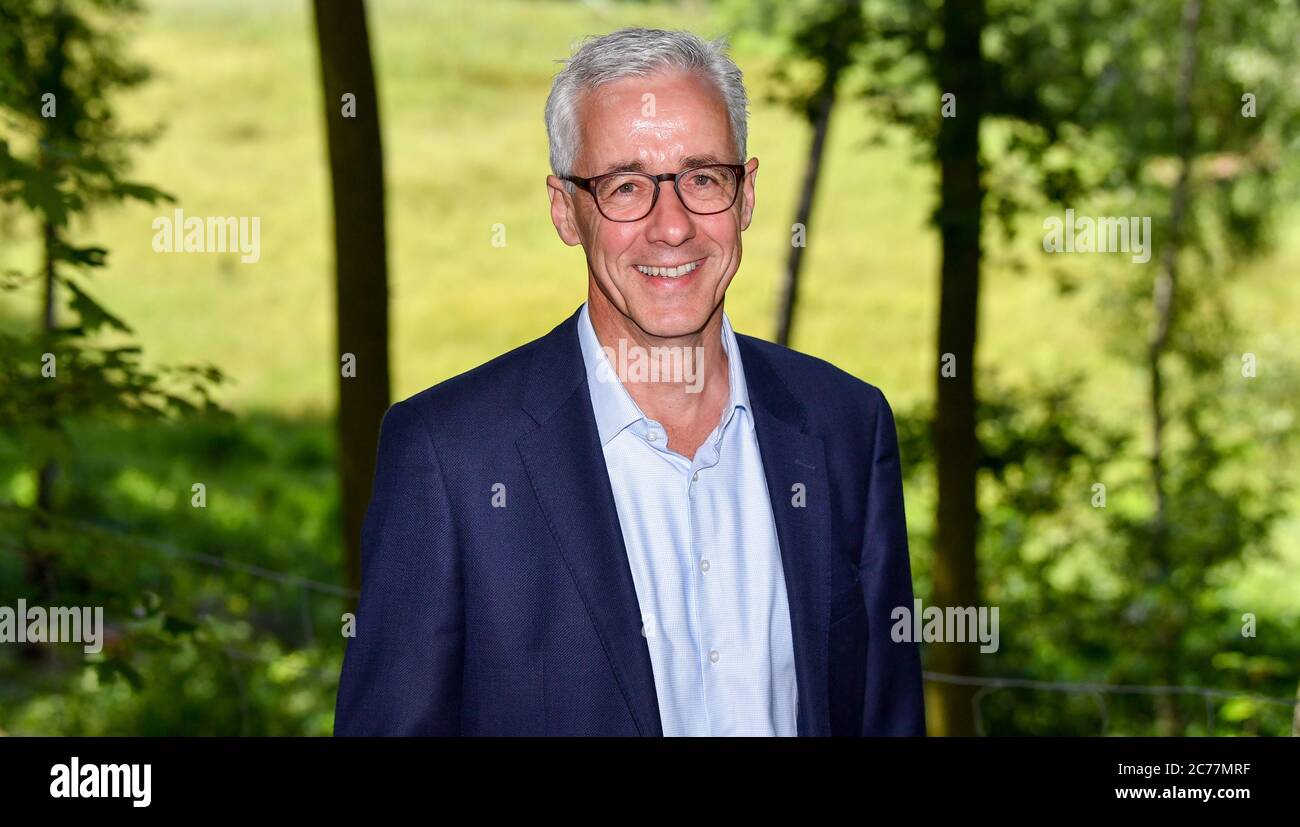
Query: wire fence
(986, 685)
(211, 560)
(305, 585)
(1101, 690)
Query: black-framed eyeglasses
(631, 196)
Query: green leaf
(174, 625)
(83, 256)
(92, 313)
(112, 667)
(143, 192)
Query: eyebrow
(700, 161)
(626, 166)
(687, 163)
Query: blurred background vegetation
(225, 619)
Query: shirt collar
(613, 405)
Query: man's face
(663, 123)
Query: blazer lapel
(566, 467)
(792, 457)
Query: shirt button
(652, 436)
(695, 477)
(704, 565)
(713, 656)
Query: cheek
(613, 240)
(724, 230)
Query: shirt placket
(712, 665)
(708, 628)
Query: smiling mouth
(669, 272)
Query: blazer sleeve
(894, 702)
(402, 670)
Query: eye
(621, 187)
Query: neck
(680, 381)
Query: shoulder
(827, 393)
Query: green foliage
(61, 153)
(819, 39)
(74, 154)
(1080, 105)
(1079, 598)
(201, 638)
(163, 674)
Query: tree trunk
(40, 564)
(822, 108)
(1164, 291)
(959, 70)
(361, 280)
(829, 38)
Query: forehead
(656, 120)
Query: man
(641, 523)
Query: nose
(669, 222)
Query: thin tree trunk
(824, 105)
(1163, 296)
(39, 568)
(830, 40)
(40, 564)
(49, 301)
(959, 70)
(361, 282)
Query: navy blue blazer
(476, 619)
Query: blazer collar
(563, 455)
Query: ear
(562, 211)
(747, 194)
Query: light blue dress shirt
(705, 559)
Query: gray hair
(637, 53)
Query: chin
(671, 324)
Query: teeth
(668, 272)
